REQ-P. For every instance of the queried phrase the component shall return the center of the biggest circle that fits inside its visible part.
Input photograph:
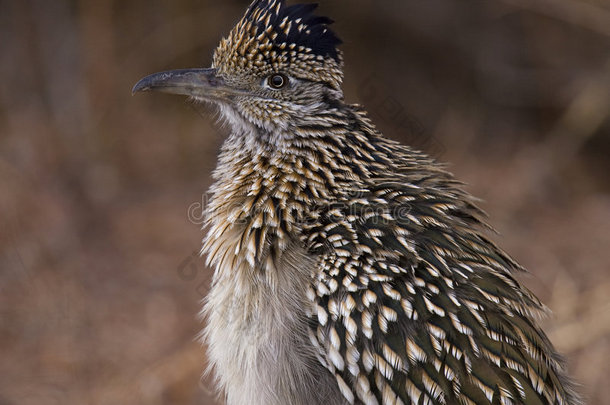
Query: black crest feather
(315, 34)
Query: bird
(348, 268)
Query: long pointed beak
(199, 83)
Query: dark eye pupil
(277, 81)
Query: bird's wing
(410, 310)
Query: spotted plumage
(349, 269)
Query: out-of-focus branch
(578, 13)
(584, 115)
(582, 118)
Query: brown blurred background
(100, 284)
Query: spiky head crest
(273, 37)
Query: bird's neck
(267, 185)
(260, 197)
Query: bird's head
(279, 65)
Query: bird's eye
(277, 81)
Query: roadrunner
(349, 269)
